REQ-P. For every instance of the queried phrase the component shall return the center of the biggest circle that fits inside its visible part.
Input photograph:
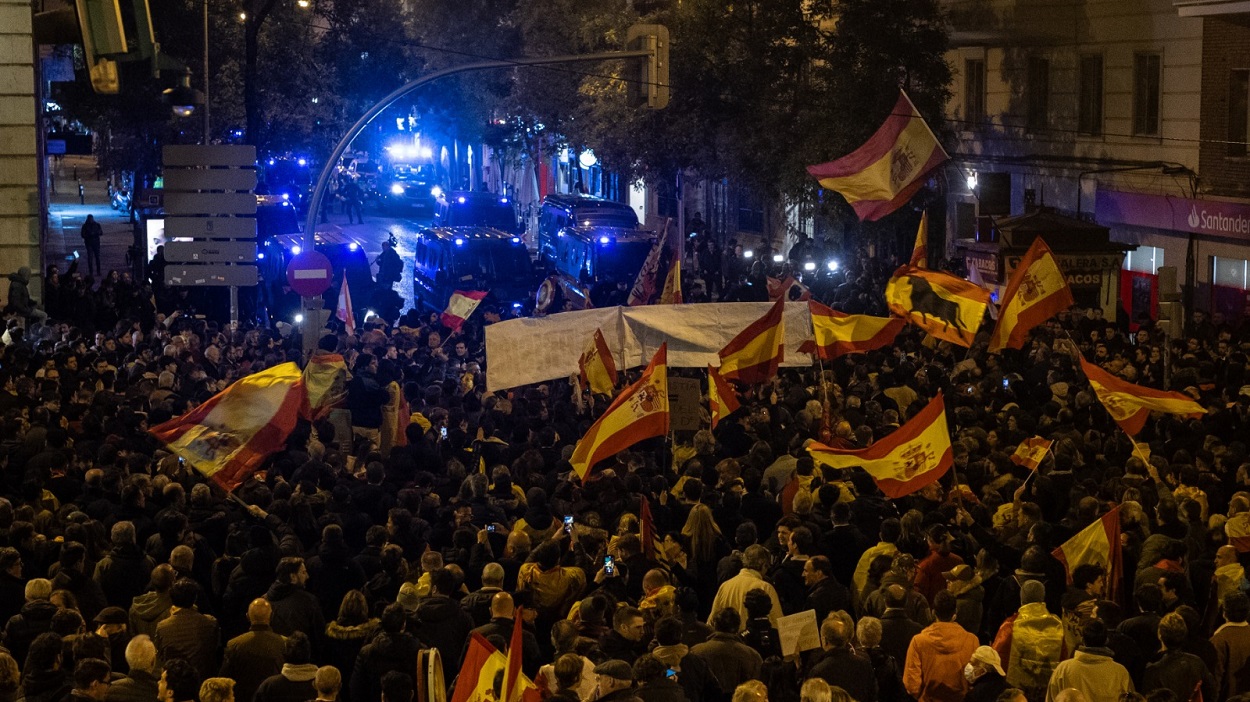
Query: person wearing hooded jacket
(332, 572)
(441, 623)
(124, 572)
(295, 682)
(1091, 670)
(934, 670)
(1031, 642)
(393, 649)
(152, 607)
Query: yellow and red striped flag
(228, 437)
(946, 307)
(1031, 452)
(647, 535)
(639, 412)
(1098, 543)
(913, 456)
(597, 366)
(325, 384)
(836, 334)
(721, 398)
(920, 250)
(1130, 405)
(483, 663)
(1237, 529)
(754, 355)
(883, 173)
(788, 289)
(460, 307)
(671, 294)
(1036, 292)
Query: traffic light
(652, 87)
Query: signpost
(210, 219)
(309, 274)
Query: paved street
(67, 214)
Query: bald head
(492, 575)
(259, 612)
(501, 606)
(654, 579)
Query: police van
(588, 245)
(447, 259)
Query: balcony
(1208, 8)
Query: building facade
(1129, 113)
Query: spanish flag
(721, 399)
(1098, 543)
(754, 355)
(325, 384)
(1031, 452)
(1036, 292)
(483, 665)
(460, 307)
(671, 294)
(639, 412)
(788, 288)
(878, 177)
(647, 534)
(920, 251)
(946, 307)
(597, 366)
(1130, 405)
(837, 334)
(228, 437)
(913, 456)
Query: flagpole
(927, 128)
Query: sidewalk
(66, 215)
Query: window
(1039, 94)
(1089, 105)
(1230, 272)
(974, 92)
(1147, 77)
(1146, 259)
(1239, 112)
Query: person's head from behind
(1236, 607)
(217, 690)
(44, 654)
(1012, 694)
(757, 603)
(10, 677)
(298, 649)
(394, 618)
(91, 678)
(354, 609)
(727, 621)
(834, 634)
(756, 558)
(327, 683)
(944, 606)
(141, 654)
(1094, 633)
(259, 612)
(1172, 631)
(38, 589)
(648, 669)
(868, 631)
(568, 671)
(815, 690)
(751, 691)
(396, 687)
(184, 593)
(179, 682)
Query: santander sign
(1209, 217)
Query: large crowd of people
(125, 576)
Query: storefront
(1161, 227)
(1090, 261)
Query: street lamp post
(206, 109)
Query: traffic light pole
(327, 169)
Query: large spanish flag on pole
(1130, 405)
(947, 307)
(754, 355)
(1098, 543)
(915, 455)
(483, 664)
(878, 177)
(228, 437)
(837, 334)
(597, 366)
(920, 250)
(1036, 292)
(721, 398)
(639, 412)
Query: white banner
(538, 349)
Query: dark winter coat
(252, 658)
(849, 671)
(123, 574)
(296, 609)
(23, 628)
(443, 625)
(385, 653)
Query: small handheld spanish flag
(1031, 452)
(721, 398)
